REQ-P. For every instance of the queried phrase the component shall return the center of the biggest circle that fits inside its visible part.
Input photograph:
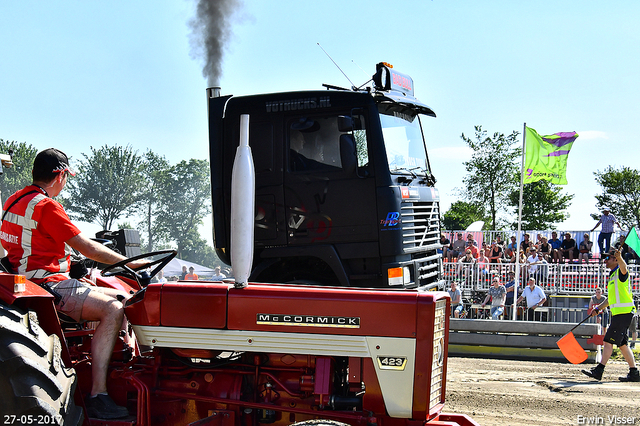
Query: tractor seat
(66, 318)
(5, 266)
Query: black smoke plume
(211, 32)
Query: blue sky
(78, 74)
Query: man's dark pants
(602, 238)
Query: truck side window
(361, 146)
(314, 144)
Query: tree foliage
(461, 214)
(185, 197)
(154, 171)
(621, 193)
(543, 205)
(18, 175)
(108, 184)
(195, 249)
(490, 171)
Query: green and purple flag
(546, 156)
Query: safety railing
(544, 313)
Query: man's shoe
(102, 407)
(594, 373)
(633, 376)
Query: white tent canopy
(174, 268)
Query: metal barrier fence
(578, 279)
(543, 314)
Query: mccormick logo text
(298, 104)
(308, 320)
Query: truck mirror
(348, 153)
(345, 124)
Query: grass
(617, 355)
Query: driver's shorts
(73, 294)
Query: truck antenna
(353, 86)
(364, 72)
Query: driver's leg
(112, 292)
(129, 337)
(101, 307)
(84, 302)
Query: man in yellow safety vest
(620, 300)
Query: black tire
(34, 383)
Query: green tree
(155, 169)
(185, 197)
(195, 249)
(621, 193)
(489, 179)
(543, 204)
(18, 175)
(461, 214)
(108, 185)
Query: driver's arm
(98, 252)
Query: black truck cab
(344, 190)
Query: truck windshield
(404, 143)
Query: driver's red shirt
(34, 233)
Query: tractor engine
(248, 387)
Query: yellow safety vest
(619, 295)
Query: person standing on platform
(608, 221)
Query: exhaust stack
(214, 92)
(242, 207)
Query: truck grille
(437, 363)
(420, 226)
(421, 238)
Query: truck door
(329, 198)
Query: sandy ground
(501, 392)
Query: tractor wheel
(319, 422)
(35, 386)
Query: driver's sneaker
(595, 372)
(102, 407)
(633, 376)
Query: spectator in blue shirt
(555, 247)
(535, 298)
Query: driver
(37, 233)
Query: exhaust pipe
(213, 92)
(242, 207)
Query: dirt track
(501, 393)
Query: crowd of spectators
(554, 250)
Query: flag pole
(517, 277)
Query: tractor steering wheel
(144, 278)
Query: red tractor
(207, 353)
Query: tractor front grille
(439, 356)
